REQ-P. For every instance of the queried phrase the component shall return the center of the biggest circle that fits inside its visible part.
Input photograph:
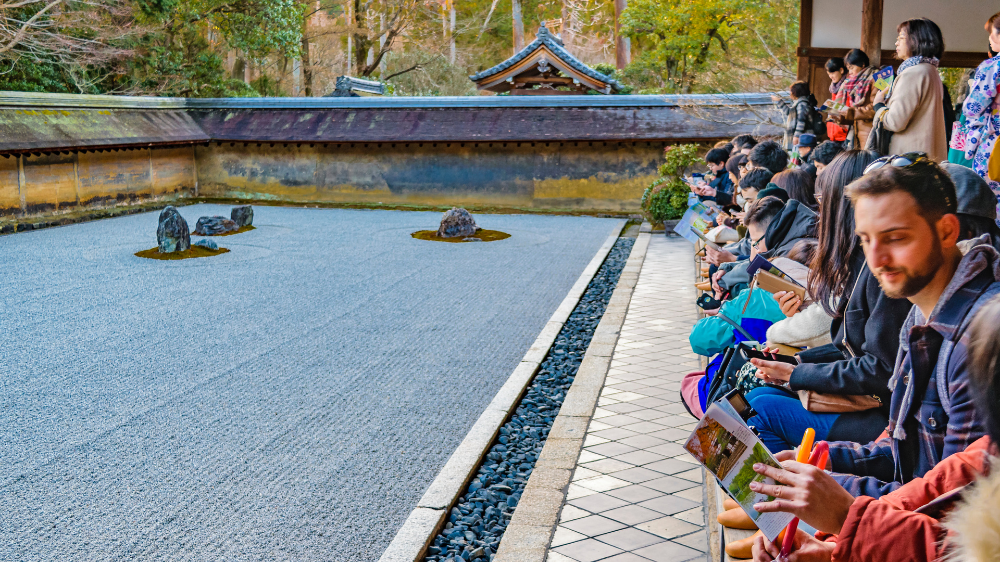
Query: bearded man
(905, 215)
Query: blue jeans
(781, 420)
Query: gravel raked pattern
(289, 400)
(475, 526)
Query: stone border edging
(428, 516)
(530, 530)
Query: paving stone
(614, 434)
(602, 483)
(619, 420)
(696, 540)
(695, 494)
(565, 536)
(596, 503)
(694, 475)
(626, 557)
(638, 457)
(669, 551)
(609, 466)
(593, 525)
(611, 449)
(632, 514)
(589, 456)
(630, 539)
(694, 515)
(668, 527)
(668, 449)
(671, 504)
(637, 475)
(634, 493)
(668, 466)
(668, 484)
(571, 512)
(588, 550)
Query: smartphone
(752, 353)
(708, 302)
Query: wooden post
(805, 39)
(515, 11)
(871, 31)
(623, 46)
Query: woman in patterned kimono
(981, 110)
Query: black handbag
(880, 137)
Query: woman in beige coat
(912, 107)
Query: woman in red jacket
(909, 523)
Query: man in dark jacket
(905, 217)
(796, 222)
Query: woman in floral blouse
(981, 110)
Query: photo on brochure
(729, 449)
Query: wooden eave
(502, 81)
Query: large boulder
(211, 226)
(457, 223)
(242, 215)
(172, 234)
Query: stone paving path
(636, 494)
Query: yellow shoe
(736, 518)
(703, 286)
(742, 548)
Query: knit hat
(773, 190)
(974, 195)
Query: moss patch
(246, 228)
(193, 252)
(482, 235)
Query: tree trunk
(566, 33)
(623, 46)
(515, 10)
(381, 44)
(307, 73)
(451, 31)
(239, 69)
(350, 35)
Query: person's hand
(721, 218)
(807, 548)
(789, 302)
(716, 257)
(795, 141)
(715, 283)
(879, 97)
(808, 493)
(785, 456)
(774, 372)
(775, 98)
(704, 190)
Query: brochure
(729, 449)
(698, 217)
(883, 77)
(760, 263)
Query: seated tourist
(743, 144)
(977, 209)
(799, 185)
(795, 223)
(822, 156)
(769, 155)
(904, 211)
(865, 331)
(962, 522)
(807, 142)
(748, 188)
(718, 186)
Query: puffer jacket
(916, 536)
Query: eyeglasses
(897, 160)
(759, 240)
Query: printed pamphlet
(699, 217)
(729, 449)
(883, 78)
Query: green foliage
(740, 488)
(666, 198)
(687, 46)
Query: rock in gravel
(210, 226)
(206, 243)
(457, 222)
(172, 233)
(242, 215)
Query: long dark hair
(984, 375)
(830, 272)
(799, 186)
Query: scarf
(912, 61)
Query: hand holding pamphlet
(883, 77)
(729, 449)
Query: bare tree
(82, 34)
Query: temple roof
(541, 56)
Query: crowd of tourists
(889, 227)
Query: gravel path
(290, 400)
